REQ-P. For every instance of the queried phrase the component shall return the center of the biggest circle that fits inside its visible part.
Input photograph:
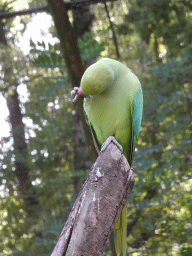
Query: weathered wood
(98, 206)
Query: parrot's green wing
(137, 113)
(130, 152)
(95, 140)
(136, 124)
(121, 224)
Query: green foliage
(55, 86)
(89, 47)
(166, 20)
(47, 57)
(165, 159)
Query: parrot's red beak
(77, 91)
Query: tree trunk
(82, 18)
(20, 151)
(82, 21)
(71, 54)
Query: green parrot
(113, 104)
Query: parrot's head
(96, 79)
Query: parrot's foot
(108, 141)
(77, 91)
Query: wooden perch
(98, 206)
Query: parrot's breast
(110, 115)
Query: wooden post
(98, 206)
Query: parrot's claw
(78, 93)
(75, 89)
(76, 97)
(74, 92)
(108, 141)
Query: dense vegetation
(154, 40)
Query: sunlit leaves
(46, 56)
(89, 47)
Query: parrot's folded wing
(136, 117)
(131, 144)
(137, 113)
(95, 140)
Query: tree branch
(45, 8)
(8, 15)
(113, 31)
(98, 206)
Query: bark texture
(98, 206)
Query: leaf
(32, 44)
(60, 83)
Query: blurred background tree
(46, 158)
